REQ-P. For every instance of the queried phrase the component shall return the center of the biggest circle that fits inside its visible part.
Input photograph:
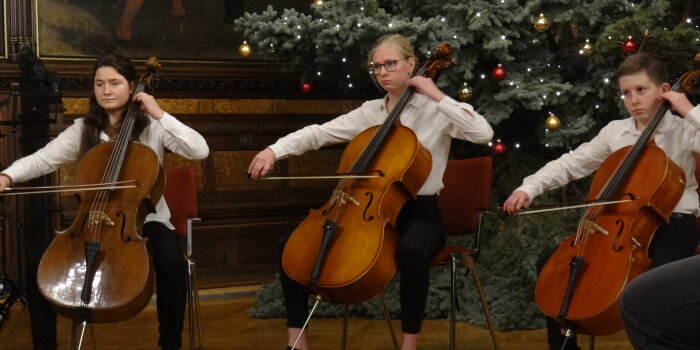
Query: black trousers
(171, 289)
(673, 241)
(661, 308)
(421, 236)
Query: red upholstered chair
(462, 203)
(181, 195)
(697, 179)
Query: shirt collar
(665, 125)
(415, 102)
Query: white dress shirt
(435, 124)
(678, 137)
(167, 132)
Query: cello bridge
(98, 217)
(592, 227)
(344, 198)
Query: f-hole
(77, 234)
(619, 248)
(369, 202)
(122, 227)
(325, 212)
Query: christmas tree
(541, 72)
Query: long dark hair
(96, 119)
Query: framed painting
(176, 30)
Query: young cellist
(114, 79)
(436, 119)
(642, 80)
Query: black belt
(677, 216)
(421, 196)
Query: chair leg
(193, 306)
(591, 343)
(387, 317)
(344, 334)
(484, 306)
(453, 302)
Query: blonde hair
(400, 42)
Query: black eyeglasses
(389, 66)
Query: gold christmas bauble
(465, 92)
(586, 48)
(541, 23)
(245, 50)
(552, 122)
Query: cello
(98, 269)
(344, 252)
(581, 283)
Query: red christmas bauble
(499, 148)
(306, 87)
(498, 73)
(629, 46)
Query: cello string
(383, 130)
(115, 162)
(376, 141)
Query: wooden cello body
(581, 283)
(344, 252)
(614, 258)
(99, 270)
(361, 259)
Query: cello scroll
(686, 81)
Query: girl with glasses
(436, 119)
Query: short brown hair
(652, 65)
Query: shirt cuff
(693, 116)
(277, 150)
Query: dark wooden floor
(227, 326)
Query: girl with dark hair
(114, 79)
